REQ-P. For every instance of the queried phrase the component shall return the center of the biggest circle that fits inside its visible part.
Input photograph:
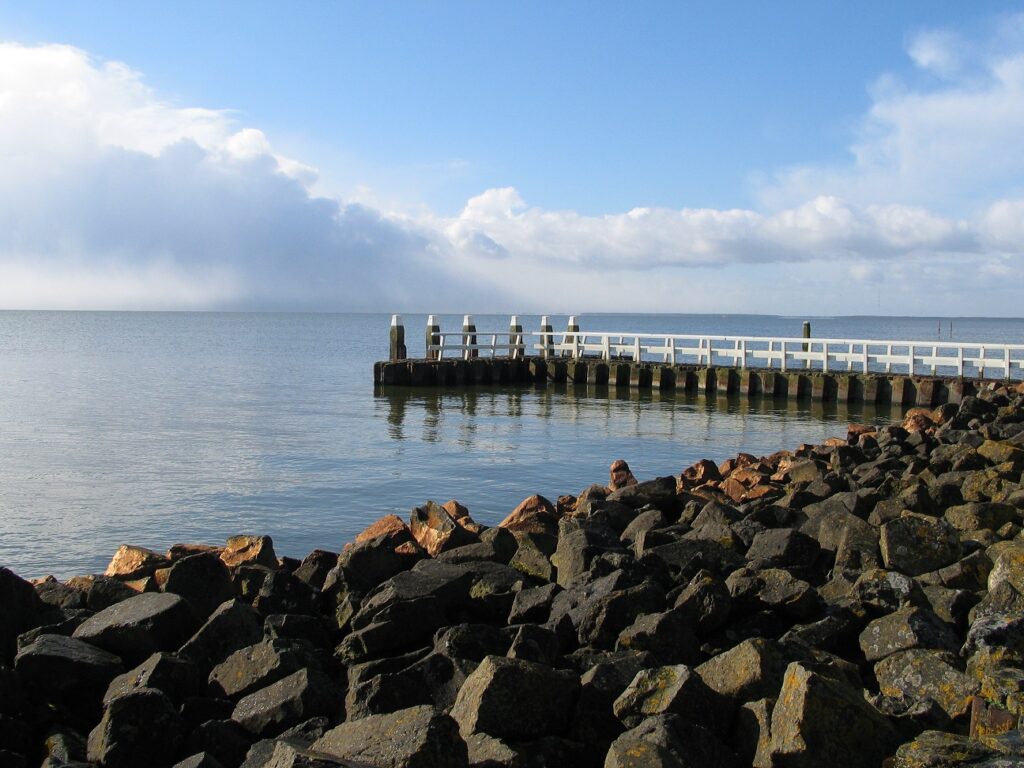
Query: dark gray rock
(288, 702)
(533, 604)
(905, 629)
(226, 740)
(283, 592)
(136, 628)
(138, 728)
(199, 760)
(232, 626)
(515, 699)
(705, 602)
(668, 741)
(21, 609)
(783, 548)
(65, 668)
(315, 566)
(668, 636)
(916, 543)
(177, 678)
(677, 690)
(202, 579)
(259, 665)
(416, 737)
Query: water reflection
(474, 415)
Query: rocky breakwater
(852, 604)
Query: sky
(822, 158)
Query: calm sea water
(154, 428)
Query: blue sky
(771, 157)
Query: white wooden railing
(972, 360)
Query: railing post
(960, 360)
(783, 355)
(981, 368)
(433, 337)
(935, 354)
(515, 339)
(545, 337)
(743, 354)
(469, 337)
(636, 349)
(671, 344)
(888, 358)
(865, 357)
(1006, 363)
(397, 338)
(910, 361)
(606, 347)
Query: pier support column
(556, 371)
(571, 328)
(397, 338)
(726, 381)
(618, 375)
(798, 385)
(958, 389)
(577, 372)
(846, 387)
(903, 390)
(927, 392)
(869, 388)
(750, 383)
(597, 373)
(639, 376)
(706, 380)
(538, 370)
(663, 377)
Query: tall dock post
(433, 337)
(546, 339)
(397, 337)
(469, 336)
(572, 327)
(807, 335)
(516, 350)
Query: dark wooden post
(433, 337)
(469, 336)
(515, 339)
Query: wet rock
(918, 674)
(134, 563)
(231, 626)
(177, 678)
(905, 629)
(249, 550)
(436, 530)
(916, 543)
(416, 737)
(292, 700)
(136, 628)
(820, 721)
(515, 699)
(138, 728)
(668, 741)
(677, 690)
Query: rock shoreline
(853, 604)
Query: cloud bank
(111, 197)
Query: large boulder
(175, 677)
(919, 673)
(257, 666)
(668, 741)
(136, 628)
(249, 550)
(436, 530)
(130, 563)
(677, 690)
(292, 700)
(515, 699)
(818, 721)
(905, 629)
(21, 609)
(231, 626)
(416, 737)
(139, 728)
(64, 668)
(202, 579)
(914, 544)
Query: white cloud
(114, 197)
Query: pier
(922, 373)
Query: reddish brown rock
(701, 472)
(620, 475)
(460, 515)
(918, 420)
(249, 550)
(854, 431)
(131, 563)
(436, 530)
(533, 515)
(734, 489)
(389, 525)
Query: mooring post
(397, 336)
(807, 335)
(515, 339)
(546, 341)
(433, 338)
(572, 327)
(469, 337)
